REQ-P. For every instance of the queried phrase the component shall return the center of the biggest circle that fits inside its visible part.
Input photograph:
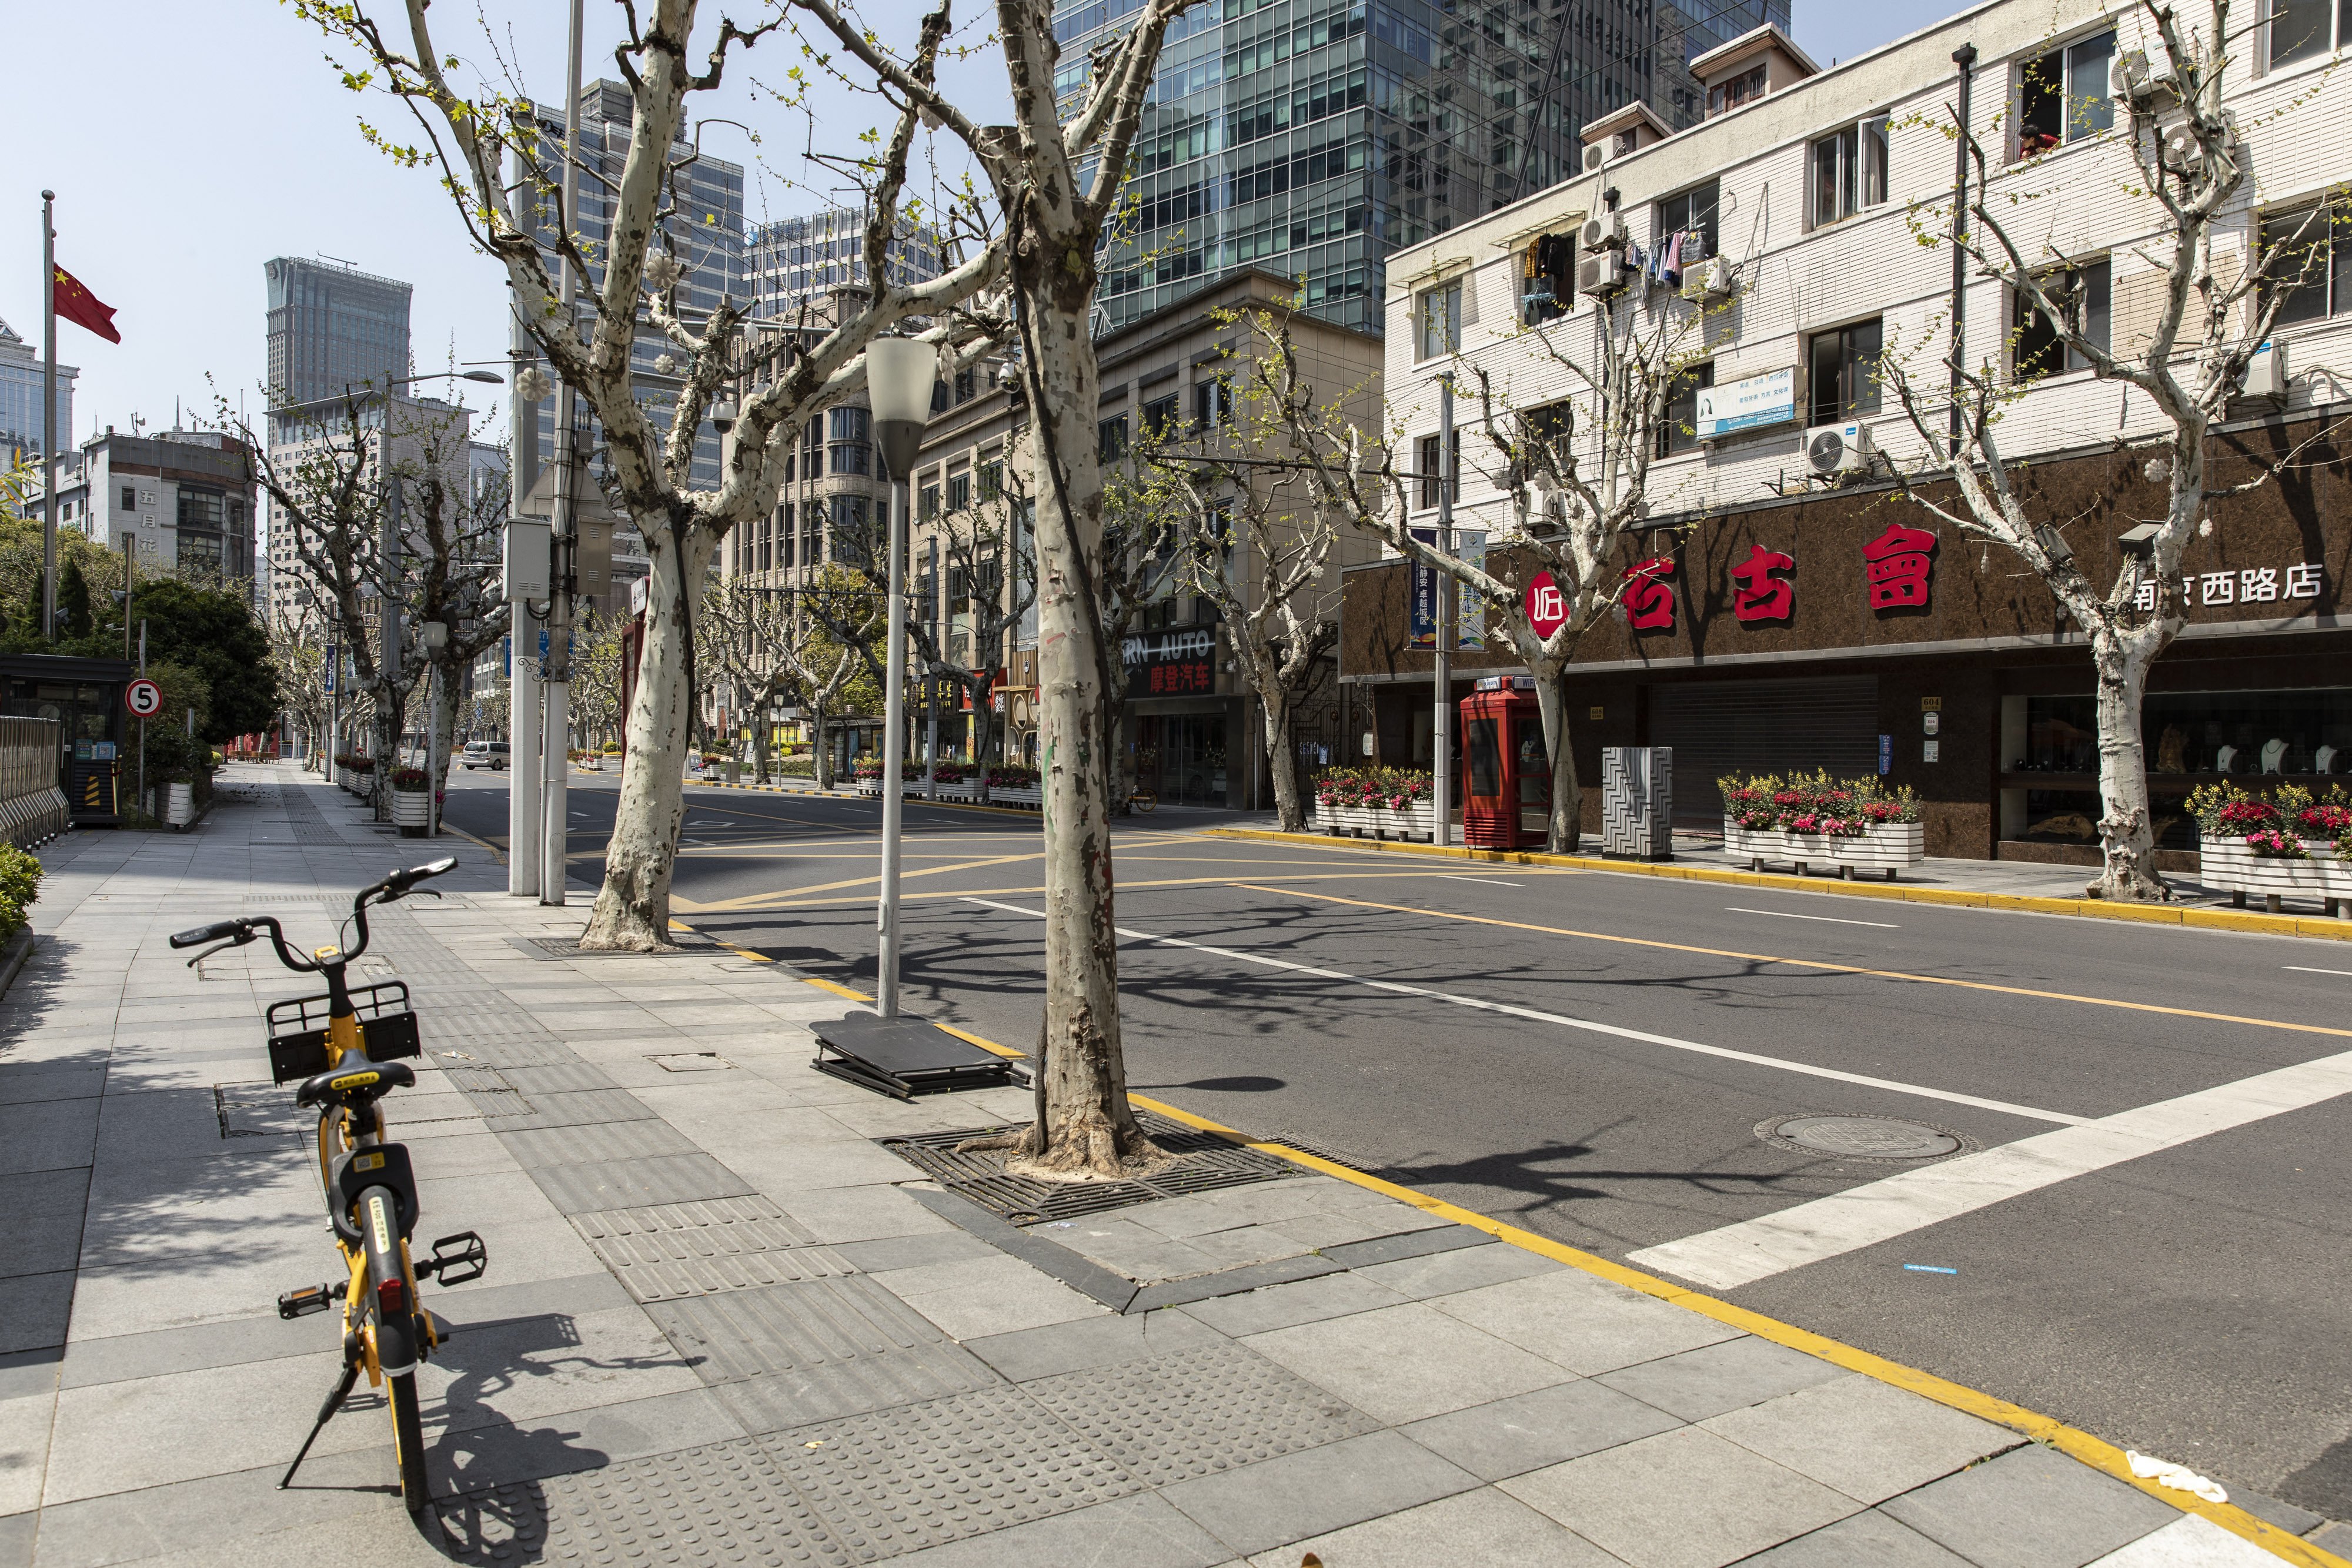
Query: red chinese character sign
(1758, 591)
(1898, 567)
(1649, 602)
(1547, 606)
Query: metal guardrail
(33, 809)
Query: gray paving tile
(1086, 1342)
(1586, 1325)
(635, 1183)
(891, 1252)
(1480, 1527)
(1866, 1440)
(41, 1219)
(33, 1310)
(1404, 1363)
(599, 1143)
(1865, 1540)
(1283, 1306)
(26, 1083)
(1317, 1490)
(1141, 1531)
(1196, 1412)
(502, 1452)
(17, 1532)
(1528, 1431)
(50, 1135)
(29, 1372)
(341, 1491)
(862, 1214)
(2031, 1508)
(1715, 1378)
(1466, 1268)
(989, 1296)
(669, 1251)
(2190, 1542)
(1683, 1499)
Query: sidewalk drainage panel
(1853, 1137)
(1204, 1163)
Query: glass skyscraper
(1311, 138)
(705, 229)
(20, 398)
(332, 327)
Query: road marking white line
(2305, 969)
(1586, 1025)
(1825, 919)
(1457, 876)
(1879, 1211)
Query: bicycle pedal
(308, 1299)
(456, 1260)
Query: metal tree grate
(1204, 1163)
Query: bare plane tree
(2190, 167)
(466, 137)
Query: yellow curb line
(497, 855)
(2090, 909)
(2094, 1452)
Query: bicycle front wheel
(408, 1435)
(1146, 801)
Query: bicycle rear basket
(297, 1030)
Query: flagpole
(48, 419)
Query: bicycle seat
(356, 1085)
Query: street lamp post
(899, 374)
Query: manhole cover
(1860, 1138)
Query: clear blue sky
(193, 142)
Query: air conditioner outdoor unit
(1595, 156)
(1603, 274)
(1606, 232)
(2139, 83)
(1709, 279)
(1834, 450)
(2179, 151)
(2266, 373)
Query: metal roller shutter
(1761, 727)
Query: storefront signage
(1749, 405)
(2253, 585)
(1547, 606)
(1649, 602)
(1898, 567)
(1182, 662)
(1758, 591)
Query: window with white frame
(2062, 95)
(2083, 293)
(2305, 29)
(1847, 171)
(1437, 317)
(2307, 261)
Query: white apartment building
(181, 500)
(1760, 642)
(419, 427)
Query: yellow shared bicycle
(346, 1049)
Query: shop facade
(1847, 630)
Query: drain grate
(568, 947)
(1204, 1163)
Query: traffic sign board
(143, 697)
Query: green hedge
(20, 884)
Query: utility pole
(1441, 719)
(388, 609)
(554, 823)
(522, 630)
(50, 418)
(1965, 56)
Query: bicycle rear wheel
(408, 1435)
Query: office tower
(20, 399)
(1311, 138)
(332, 327)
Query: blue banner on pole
(1424, 596)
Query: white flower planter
(872, 787)
(963, 792)
(1416, 820)
(2239, 870)
(1883, 847)
(1033, 798)
(411, 812)
(179, 804)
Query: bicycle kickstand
(326, 1414)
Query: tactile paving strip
(643, 1139)
(1198, 1412)
(1206, 1163)
(800, 1330)
(671, 1250)
(585, 1108)
(893, 1482)
(723, 1503)
(559, 1078)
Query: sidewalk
(723, 1324)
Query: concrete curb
(12, 960)
(2087, 908)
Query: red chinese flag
(83, 308)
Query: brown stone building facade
(1848, 630)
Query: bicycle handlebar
(240, 932)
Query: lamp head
(899, 374)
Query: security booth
(1505, 769)
(84, 698)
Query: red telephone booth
(1505, 771)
